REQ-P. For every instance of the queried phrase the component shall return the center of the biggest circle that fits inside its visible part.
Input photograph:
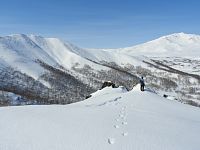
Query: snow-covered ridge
(176, 45)
(21, 51)
(113, 120)
(53, 50)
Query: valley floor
(111, 119)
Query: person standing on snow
(142, 84)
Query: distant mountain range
(38, 70)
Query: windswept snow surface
(111, 120)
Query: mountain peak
(181, 35)
(18, 35)
(177, 44)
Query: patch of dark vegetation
(193, 103)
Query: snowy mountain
(49, 71)
(174, 45)
(112, 119)
(21, 51)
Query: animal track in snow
(111, 140)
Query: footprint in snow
(111, 141)
(124, 118)
(116, 126)
(110, 102)
(125, 133)
(124, 123)
(121, 115)
(116, 99)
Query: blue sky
(100, 23)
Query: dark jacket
(142, 82)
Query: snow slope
(18, 51)
(110, 120)
(174, 45)
(21, 52)
(180, 45)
